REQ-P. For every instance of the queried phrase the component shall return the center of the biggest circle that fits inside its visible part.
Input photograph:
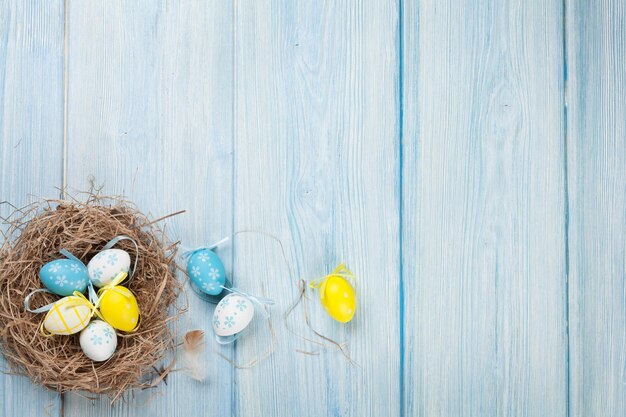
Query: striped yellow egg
(119, 308)
(338, 298)
(67, 316)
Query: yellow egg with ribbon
(118, 306)
(337, 294)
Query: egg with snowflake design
(206, 271)
(106, 265)
(64, 276)
(98, 341)
(232, 314)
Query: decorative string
(40, 309)
(256, 360)
(261, 302)
(70, 255)
(304, 299)
(187, 254)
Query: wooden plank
(31, 141)
(150, 116)
(484, 203)
(317, 165)
(596, 128)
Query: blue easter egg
(205, 269)
(64, 276)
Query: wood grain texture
(484, 203)
(150, 115)
(31, 141)
(316, 148)
(423, 143)
(596, 43)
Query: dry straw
(34, 236)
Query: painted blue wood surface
(462, 157)
(484, 209)
(596, 138)
(31, 142)
(150, 116)
(317, 164)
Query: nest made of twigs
(35, 235)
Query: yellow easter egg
(119, 308)
(67, 316)
(338, 298)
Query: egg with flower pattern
(98, 341)
(232, 314)
(206, 271)
(106, 265)
(64, 276)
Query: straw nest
(33, 236)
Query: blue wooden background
(466, 158)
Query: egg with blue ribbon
(206, 271)
(105, 266)
(64, 276)
(233, 314)
(108, 263)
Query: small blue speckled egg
(205, 269)
(64, 276)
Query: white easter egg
(98, 341)
(232, 314)
(67, 316)
(105, 266)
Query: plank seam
(566, 214)
(65, 94)
(401, 199)
(64, 156)
(233, 371)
